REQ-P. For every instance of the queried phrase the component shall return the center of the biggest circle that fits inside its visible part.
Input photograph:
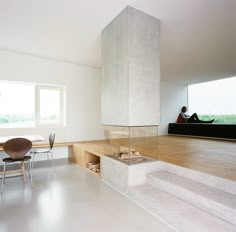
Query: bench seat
(226, 131)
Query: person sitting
(183, 117)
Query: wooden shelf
(81, 156)
(90, 158)
(94, 173)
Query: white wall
(234, 28)
(82, 94)
(173, 97)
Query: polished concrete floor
(71, 200)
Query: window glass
(50, 104)
(214, 99)
(17, 105)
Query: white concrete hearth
(121, 176)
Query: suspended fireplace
(132, 145)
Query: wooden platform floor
(216, 157)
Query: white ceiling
(197, 37)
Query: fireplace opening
(132, 145)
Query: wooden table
(32, 138)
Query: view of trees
(5, 118)
(14, 118)
(228, 119)
(214, 99)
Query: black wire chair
(45, 151)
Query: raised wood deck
(211, 156)
(206, 155)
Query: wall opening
(214, 99)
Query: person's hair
(184, 108)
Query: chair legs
(23, 169)
(51, 164)
(29, 166)
(53, 167)
(48, 159)
(32, 165)
(3, 177)
(23, 173)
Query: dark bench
(226, 131)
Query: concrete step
(217, 182)
(214, 201)
(177, 213)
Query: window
(30, 105)
(214, 99)
(16, 105)
(50, 105)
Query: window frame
(37, 88)
(37, 105)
